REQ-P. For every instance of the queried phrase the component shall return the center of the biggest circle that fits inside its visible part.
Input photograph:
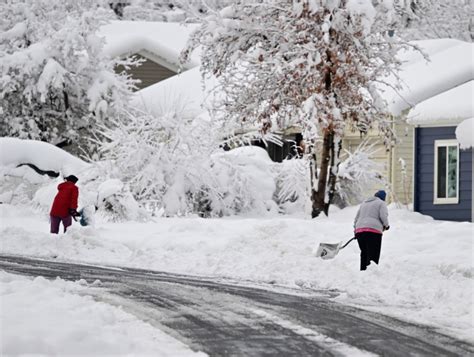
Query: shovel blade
(327, 250)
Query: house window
(446, 172)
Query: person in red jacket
(65, 204)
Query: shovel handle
(350, 240)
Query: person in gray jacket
(370, 222)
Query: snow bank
(465, 133)
(448, 107)
(163, 40)
(58, 318)
(14, 152)
(423, 275)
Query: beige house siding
(352, 140)
(400, 180)
(400, 183)
(149, 72)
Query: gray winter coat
(372, 213)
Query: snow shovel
(330, 250)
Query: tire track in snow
(331, 344)
(225, 319)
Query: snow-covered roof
(429, 47)
(450, 65)
(465, 133)
(183, 91)
(161, 42)
(451, 106)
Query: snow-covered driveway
(228, 319)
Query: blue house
(443, 166)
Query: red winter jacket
(65, 199)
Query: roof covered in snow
(451, 106)
(161, 42)
(450, 65)
(465, 133)
(183, 91)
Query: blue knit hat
(381, 194)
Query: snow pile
(61, 318)
(422, 277)
(14, 152)
(447, 107)
(22, 184)
(465, 133)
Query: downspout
(392, 165)
(415, 168)
(472, 184)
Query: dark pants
(369, 244)
(55, 221)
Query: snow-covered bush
(164, 10)
(292, 182)
(28, 165)
(56, 84)
(31, 170)
(243, 181)
(358, 172)
(172, 163)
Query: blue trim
(424, 176)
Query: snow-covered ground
(425, 274)
(58, 318)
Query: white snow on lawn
(58, 318)
(425, 274)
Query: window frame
(446, 144)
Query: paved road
(224, 319)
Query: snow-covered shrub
(56, 83)
(171, 162)
(358, 172)
(292, 182)
(242, 181)
(28, 165)
(165, 10)
(31, 170)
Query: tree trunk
(332, 175)
(313, 169)
(318, 197)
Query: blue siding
(424, 176)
